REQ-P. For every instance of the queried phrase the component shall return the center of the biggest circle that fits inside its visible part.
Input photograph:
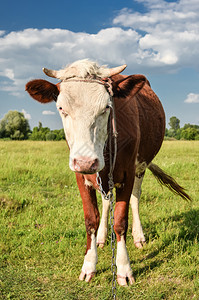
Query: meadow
(42, 231)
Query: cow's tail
(168, 181)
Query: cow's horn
(117, 70)
(50, 73)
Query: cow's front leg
(124, 271)
(91, 215)
(90, 260)
(103, 228)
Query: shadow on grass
(187, 224)
(184, 228)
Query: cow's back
(151, 123)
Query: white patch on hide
(88, 183)
(85, 120)
(90, 259)
(122, 260)
(103, 228)
(137, 230)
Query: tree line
(15, 126)
(187, 132)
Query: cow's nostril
(76, 164)
(95, 165)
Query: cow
(96, 102)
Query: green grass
(42, 232)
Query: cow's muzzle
(85, 165)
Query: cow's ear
(130, 85)
(42, 90)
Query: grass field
(42, 232)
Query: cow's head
(84, 107)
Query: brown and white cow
(84, 103)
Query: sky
(157, 38)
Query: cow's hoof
(122, 281)
(100, 244)
(85, 276)
(139, 244)
(101, 239)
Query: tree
(14, 126)
(174, 131)
(40, 125)
(174, 123)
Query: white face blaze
(84, 109)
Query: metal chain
(110, 196)
(113, 263)
(99, 183)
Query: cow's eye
(106, 109)
(62, 111)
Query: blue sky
(157, 38)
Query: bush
(39, 133)
(45, 134)
(189, 133)
(50, 136)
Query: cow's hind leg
(103, 228)
(91, 215)
(137, 231)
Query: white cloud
(170, 32)
(31, 49)
(48, 112)
(165, 37)
(9, 73)
(26, 115)
(192, 98)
